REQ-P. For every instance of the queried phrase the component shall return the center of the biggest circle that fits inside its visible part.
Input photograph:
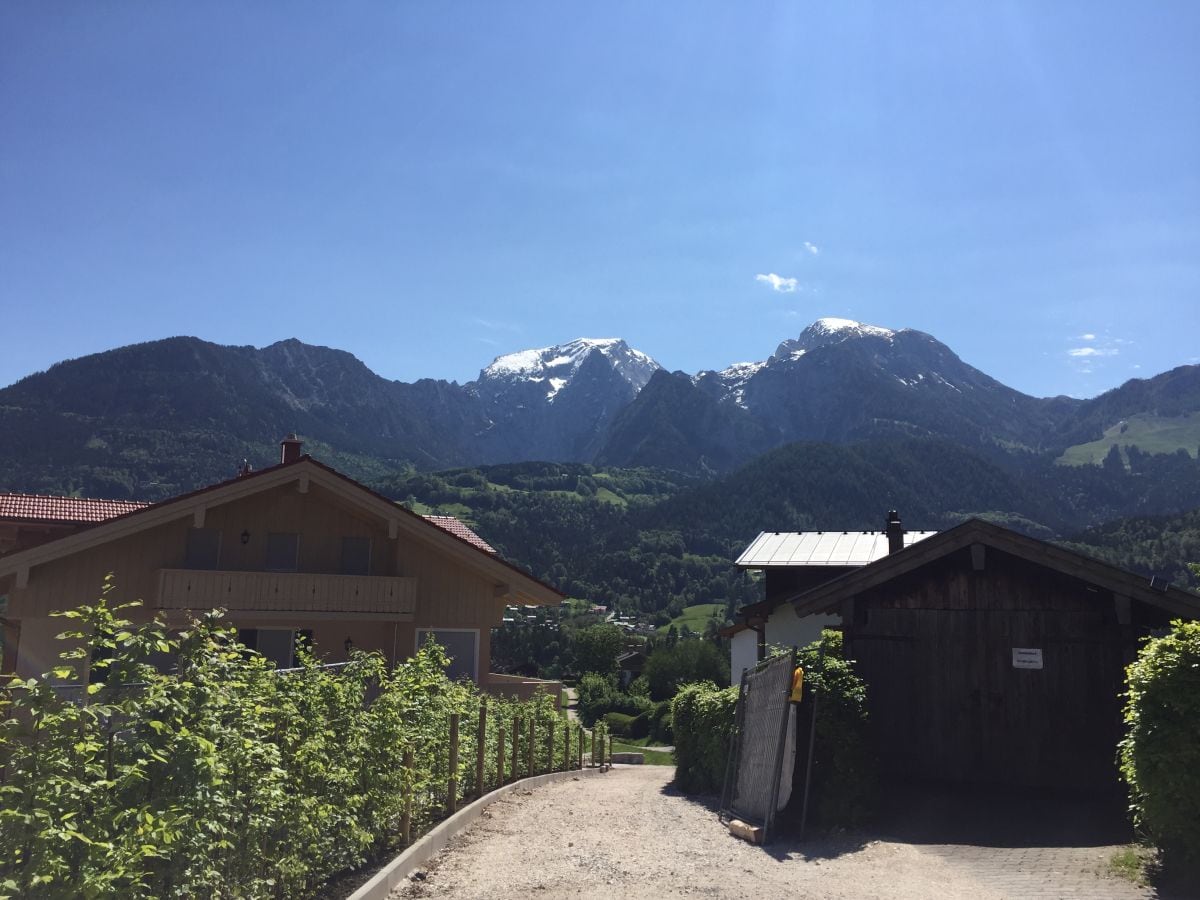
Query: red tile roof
(75, 510)
(458, 529)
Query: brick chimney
(290, 449)
(895, 532)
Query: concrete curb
(393, 873)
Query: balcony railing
(286, 592)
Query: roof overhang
(511, 584)
(976, 531)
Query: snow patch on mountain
(828, 331)
(735, 377)
(555, 366)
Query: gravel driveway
(628, 834)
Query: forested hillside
(1150, 545)
(654, 541)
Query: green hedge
(703, 717)
(619, 724)
(1160, 755)
(224, 778)
(844, 776)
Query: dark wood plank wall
(946, 703)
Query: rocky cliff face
(556, 403)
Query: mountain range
(153, 419)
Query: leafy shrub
(619, 724)
(703, 716)
(599, 695)
(1160, 754)
(661, 729)
(224, 778)
(844, 776)
(654, 723)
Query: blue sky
(428, 185)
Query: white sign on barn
(1027, 658)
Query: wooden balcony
(287, 592)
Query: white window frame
(421, 631)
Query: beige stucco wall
(450, 592)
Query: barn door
(1050, 714)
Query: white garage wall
(786, 629)
(743, 653)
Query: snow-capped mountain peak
(827, 331)
(555, 366)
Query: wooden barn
(994, 658)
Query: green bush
(619, 724)
(223, 779)
(599, 695)
(641, 724)
(703, 716)
(1160, 754)
(660, 724)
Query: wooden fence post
(530, 745)
(480, 748)
(406, 819)
(516, 748)
(566, 745)
(500, 737)
(452, 783)
(608, 756)
(550, 748)
(593, 761)
(579, 764)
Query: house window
(283, 552)
(276, 644)
(203, 548)
(461, 645)
(356, 556)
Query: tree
(672, 666)
(597, 647)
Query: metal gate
(752, 775)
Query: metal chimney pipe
(895, 532)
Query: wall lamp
(245, 537)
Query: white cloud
(812, 248)
(779, 283)
(1079, 352)
(1087, 337)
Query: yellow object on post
(797, 685)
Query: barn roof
(976, 531)
(820, 548)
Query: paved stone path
(1041, 873)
